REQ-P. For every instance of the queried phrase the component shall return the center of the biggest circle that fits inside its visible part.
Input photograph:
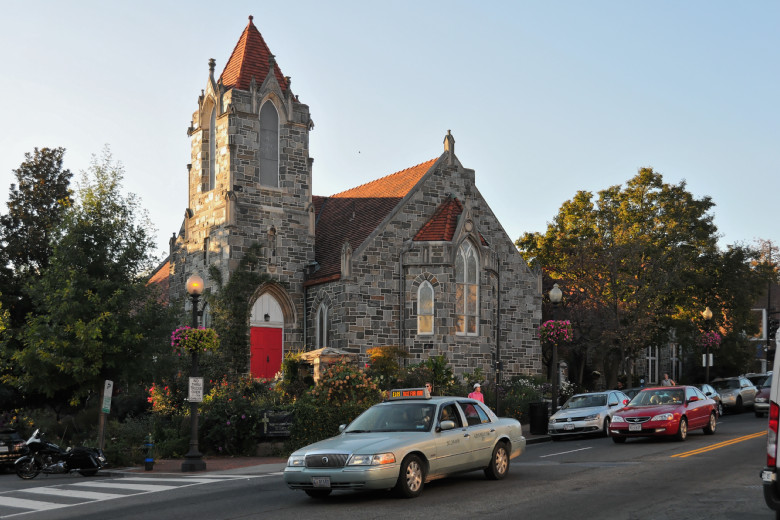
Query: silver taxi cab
(406, 441)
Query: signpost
(108, 391)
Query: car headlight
(297, 461)
(371, 460)
(761, 399)
(591, 417)
(617, 419)
(663, 417)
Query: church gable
(353, 215)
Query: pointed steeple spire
(251, 57)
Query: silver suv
(735, 392)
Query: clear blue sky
(543, 98)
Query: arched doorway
(266, 326)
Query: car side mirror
(342, 427)
(447, 425)
(614, 403)
(692, 399)
(626, 401)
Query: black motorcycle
(47, 457)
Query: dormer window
(269, 145)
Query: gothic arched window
(466, 289)
(425, 309)
(322, 326)
(213, 149)
(269, 145)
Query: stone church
(414, 259)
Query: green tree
(37, 202)
(637, 262)
(95, 317)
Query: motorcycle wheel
(28, 469)
(88, 472)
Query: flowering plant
(192, 340)
(709, 339)
(555, 332)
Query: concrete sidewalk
(231, 465)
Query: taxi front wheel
(411, 478)
(499, 463)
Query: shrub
(520, 393)
(231, 415)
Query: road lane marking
(114, 489)
(35, 505)
(183, 480)
(563, 453)
(72, 493)
(723, 444)
(129, 487)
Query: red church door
(265, 345)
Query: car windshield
(585, 401)
(727, 384)
(659, 396)
(396, 417)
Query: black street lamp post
(193, 460)
(555, 297)
(707, 315)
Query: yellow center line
(720, 445)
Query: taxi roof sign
(409, 393)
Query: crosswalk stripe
(72, 493)
(131, 487)
(35, 505)
(175, 479)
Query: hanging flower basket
(556, 332)
(709, 339)
(187, 339)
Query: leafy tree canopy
(95, 317)
(639, 261)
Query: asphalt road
(707, 476)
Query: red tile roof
(354, 214)
(162, 278)
(441, 226)
(251, 57)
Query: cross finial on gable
(449, 146)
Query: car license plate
(635, 427)
(3, 449)
(568, 426)
(320, 482)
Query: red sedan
(665, 411)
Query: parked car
(762, 397)
(735, 392)
(713, 394)
(12, 446)
(586, 413)
(665, 411)
(631, 392)
(758, 380)
(406, 441)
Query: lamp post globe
(193, 460)
(707, 315)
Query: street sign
(108, 390)
(704, 360)
(196, 390)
